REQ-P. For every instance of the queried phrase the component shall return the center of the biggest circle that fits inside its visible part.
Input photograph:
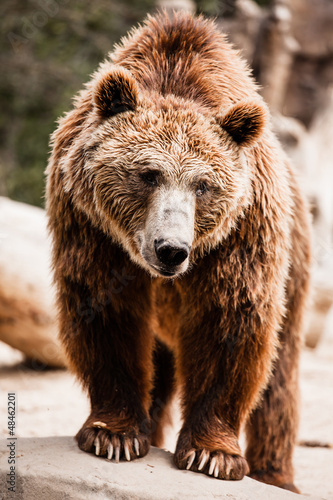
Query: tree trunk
(275, 53)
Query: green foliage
(209, 7)
(220, 8)
(49, 48)
(264, 3)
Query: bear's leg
(226, 345)
(220, 380)
(272, 427)
(164, 387)
(106, 334)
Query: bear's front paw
(213, 463)
(118, 446)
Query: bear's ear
(245, 122)
(115, 92)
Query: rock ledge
(55, 469)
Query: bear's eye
(201, 189)
(150, 177)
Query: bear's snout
(166, 239)
(170, 253)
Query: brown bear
(181, 255)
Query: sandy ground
(51, 403)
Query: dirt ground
(51, 403)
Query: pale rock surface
(27, 303)
(55, 469)
(51, 403)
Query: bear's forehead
(166, 141)
(179, 130)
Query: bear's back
(187, 57)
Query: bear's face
(165, 174)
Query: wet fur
(227, 332)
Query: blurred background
(48, 49)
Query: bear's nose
(171, 254)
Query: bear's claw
(127, 453)
(97, 445)
(117, 454)
(204, 457)
(116, 449)
(104, 443)
(136, 446)
(216, 463)
(110, 451)
(190, 460)
(212, 466)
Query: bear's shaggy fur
(174, 110)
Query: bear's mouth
(164, 272)
(160, 268)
